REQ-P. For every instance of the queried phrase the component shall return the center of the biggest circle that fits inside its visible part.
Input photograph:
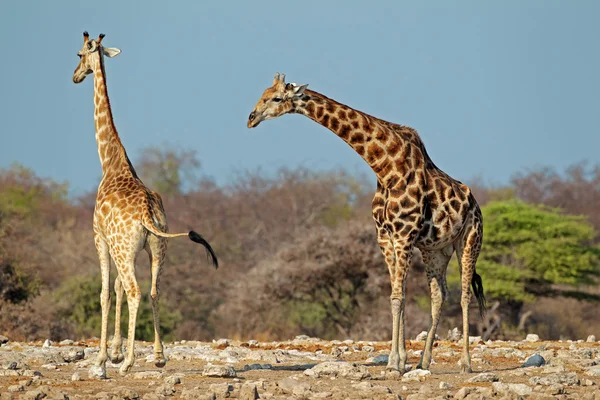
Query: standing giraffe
(416, 205)
(128, 217)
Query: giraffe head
(277, 100)
(91, 48)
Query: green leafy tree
(79, 303)
(531, 251)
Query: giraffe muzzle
(252, 121)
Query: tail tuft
(477, 284)
(195, 237)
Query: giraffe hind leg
(116, 354)
(436, 263)
(467, 252)
(156, 249)
(98, 370)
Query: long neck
(370, 137)
(110, 149)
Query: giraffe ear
(111, 51)
(299, 90)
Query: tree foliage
(533, 250)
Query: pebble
(532, 337)
(221, 371)
(47, 343)
(535, 360)
(484, 377)
(591, 339)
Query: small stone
(148, 375)
(474, 339)
(568, 379)
(381, 359)
(516, 388)
(127, 394)
(252, 367)
(165, 390)
(197, 394)
(47, 343)
(302, 337)
(172, 380)
(66, 342)
(595, 371)
(368, 349)
(221, 371)
(591, 339)
(222, 342)
(76, 377)
(415, 375)
(31, 372)
(463, 392)
(535, 360)
(3, 339)
(221, 389)
(341, 369)
(485, 377)
(33, 395)
(532, 337)
(11, 365)
(588, 382)
(445, 385)
(421, 336)
(248, 391)
(16, 388)
(454, 335)
(253, 342)
(97, 372)
(73, 355)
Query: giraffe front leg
(98, 370)
(397, 359)
(116, 355)
(134, 295)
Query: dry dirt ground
(303, 368)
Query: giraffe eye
(276, 99)
(78, 55)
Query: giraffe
(128, 217)
(415, 205)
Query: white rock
(416, 375)
(485, 377)
(341, 369)
(474, 339)
(517, 388)
(532, 337)
(591, 339)
(148, 375)
(445, 385)
(76, 377)
(219, 371)
(421, 336)
(47, 343)
(97, 372)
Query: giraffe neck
(113, 156)
(370, 137)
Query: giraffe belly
(440, 230)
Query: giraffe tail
(477, 284)
(194, 237)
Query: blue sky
(492, 88)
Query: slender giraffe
(128, 217)
(416, 205)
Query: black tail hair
(195, 237)
(477, 284)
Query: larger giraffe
(416, 204)
(128, 217)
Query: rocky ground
(305, 368)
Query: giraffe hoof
(160, 362)
(466, 370)
(117, 358)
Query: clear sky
(492, 88)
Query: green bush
(79, 303)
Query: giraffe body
(416, 205)
(128, 217)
